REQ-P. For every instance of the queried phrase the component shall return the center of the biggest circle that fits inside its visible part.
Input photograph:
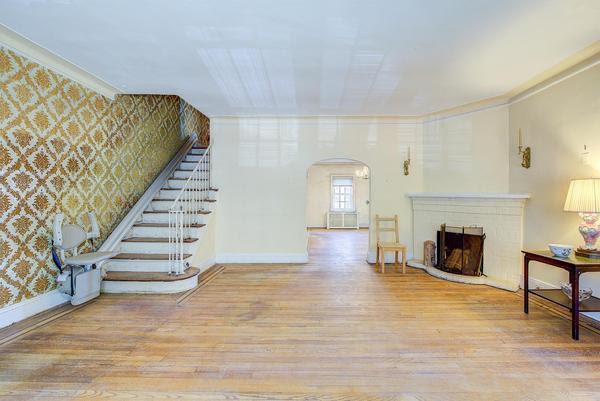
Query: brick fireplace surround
(500, 215)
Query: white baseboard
(389, 257)
(535, 283)
(262, 258)
(22, 310)
(333, 229)
(205, 264)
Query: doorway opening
(338, 209)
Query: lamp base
(588, 253)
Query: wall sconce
(524, 153)
(362, 173)
(407, 163)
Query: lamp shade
(583, 196)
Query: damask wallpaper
(193, 121)
(65, 148)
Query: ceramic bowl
(584, 293)
(562, 251)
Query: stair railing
(189, 203)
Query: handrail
(188, 204)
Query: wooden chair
(383, 247)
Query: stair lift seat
(83, 280)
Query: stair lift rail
(189, 203)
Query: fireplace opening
(460, 250)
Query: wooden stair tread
(179, 189)
(162, 225)
(188, 190)
(156, 239)
(199, 147)
(182, 200)
(150, 276)
(146, 256)
(185, 179)
(166, 211)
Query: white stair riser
(194, 158)
(184, 173)
(166, 205)
(174, 193)
(135, 265)
(180, 183)
(160, 232)
(152, 287)
(154, 247)
(196, 151)
(164, 218)
(190, 165)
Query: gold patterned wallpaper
(193, 121)
(65, 148)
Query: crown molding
(579, 62)
(584, 59)
(466, 108)
(576, 64)
(45, 57)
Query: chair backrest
(68, 237)
(382, 225)
(72, 237)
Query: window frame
(332, 207)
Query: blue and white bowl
(584, 293)
(562, 251)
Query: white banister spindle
(187, 205)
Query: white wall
(467, 153)
(260, 167)
(556, 123)
(261, 164)
(318, 197)
(204, 256)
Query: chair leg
(404, 261)
(396, 258)
(382, 261)
(377, 258)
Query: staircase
(148, 262)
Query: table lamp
(584, 197)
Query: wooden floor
(333, 329)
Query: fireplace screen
(460, 250)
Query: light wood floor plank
(333, 329)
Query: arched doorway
(338, 209)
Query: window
(342, 193)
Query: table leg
(574, 279)
(526, 284)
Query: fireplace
(501, 216)
(460, 250)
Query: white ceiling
(308, 57)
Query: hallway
(332, 329)
(339, 246)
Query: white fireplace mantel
(500, 215)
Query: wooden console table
(575, 265)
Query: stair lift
(82, 280)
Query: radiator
(342, 220)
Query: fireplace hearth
(460, 250)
